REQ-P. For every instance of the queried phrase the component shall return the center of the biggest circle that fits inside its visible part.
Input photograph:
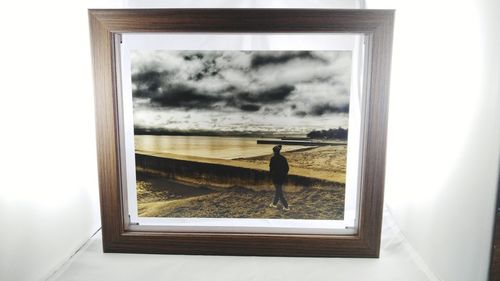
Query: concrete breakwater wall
(222, 176)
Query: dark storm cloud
(193, 56)
(272, 95)
(210, 68)
(250, 107)
(268, 58)
(300, 84)
(321, 109)
(179, 95)
(285, 91)
(148, 82)
(164, 92)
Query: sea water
(207, 146)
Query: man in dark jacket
(278, 167)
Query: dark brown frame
(377, 25)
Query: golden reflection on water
(209, 147)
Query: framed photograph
(242, 131)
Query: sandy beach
(325, 162)
(159, 196)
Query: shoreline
(221, 175)
(269, 154)
(289, 148)
(260, 163)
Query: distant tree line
(339, 133)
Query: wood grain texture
(495, 255)
(377, 25)
(495, 243)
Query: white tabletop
(398, 262)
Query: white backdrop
(444, 131)
(49, 203)
(443, 140)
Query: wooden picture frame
(376, 25)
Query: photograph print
(241, 134)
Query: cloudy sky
(263, 91)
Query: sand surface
(160, 197)
(325, 162)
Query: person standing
(278, 167)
